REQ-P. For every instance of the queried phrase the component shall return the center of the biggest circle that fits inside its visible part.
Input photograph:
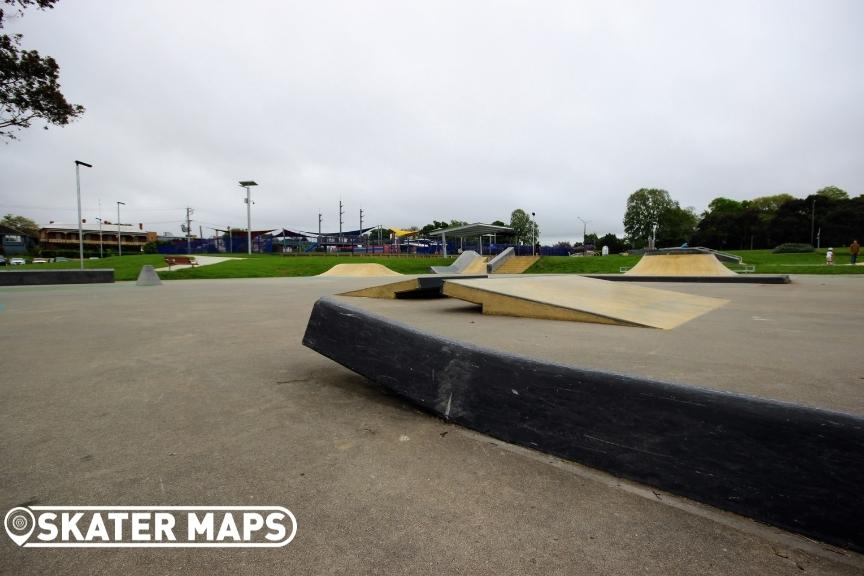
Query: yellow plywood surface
(679, 265)
(478, 266)
(581, 299)
(362, 270)
(389, 290)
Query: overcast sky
(417, 111)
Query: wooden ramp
(421, 287)
(581, 299)
(361, 270)
(679, 265)
(517, 264)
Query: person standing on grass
(854, 248)
(829, 257)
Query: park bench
(180, 260)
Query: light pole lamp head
(80, 163)
(248, 183)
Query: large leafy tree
(20, 224)
(833, 193)
(29, 82)
(650, 209)
(522, 225)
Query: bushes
(793, 248)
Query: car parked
(17, 261)
(2, 261)
(62, 259)
(40, 261)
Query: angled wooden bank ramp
(469, 262)
(581, 299)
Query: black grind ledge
(792, 466)
(39, 277)
(741, 279)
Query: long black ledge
(38, 277)
(740, 279)
(796, 467)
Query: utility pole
(320, 219)
(584, 228)
(230, 240)
(247, 184)
(119, 238)
(189, 230)
(78, 164)
(341, 213)
(100, 236)
(100, 227)
(533, 233)
(200, 234)
(361, 225)
(812, 220)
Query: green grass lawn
(267, 265)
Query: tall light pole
(584, 228)
(100, 236)
(119, 237)
(248, 184)
(533, 233)
(812, 220)
(79, 163)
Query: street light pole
(247, 184)
(119, 237)
(100, 236)
(533, 233)
(584, 228)
(812, 220)
(80, 227)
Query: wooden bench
(180, 260)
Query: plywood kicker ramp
(679, 265)
(420, 287)
(581, 299)
(360, 270)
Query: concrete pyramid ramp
(148, 277)
(359, 270)
(581, 299)
(679, 265)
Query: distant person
(829, 257)
(854, 248)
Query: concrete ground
(200, 393)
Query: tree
(833, 193)
(29, 83)
(21, 224)
(614, 243)
(676, 225)
(644, 210)
(522, 225)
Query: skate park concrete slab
(199, 393)
(581, 299)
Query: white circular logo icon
(19, 523)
